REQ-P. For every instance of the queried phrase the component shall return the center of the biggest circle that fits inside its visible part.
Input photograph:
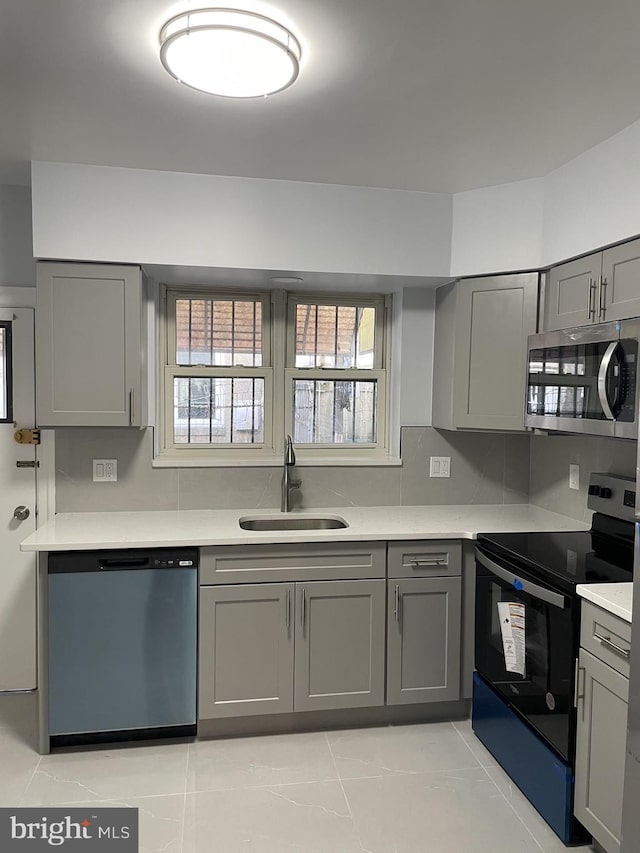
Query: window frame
(171, 369)
(278, 370)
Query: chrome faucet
(287, 483)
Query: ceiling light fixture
(229, 52)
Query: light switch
(440, 466)
(574, 476)
(105, 470)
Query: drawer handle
(435, 561)
(608, 642)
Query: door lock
(21, 513)
(27, 436)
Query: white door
(17, 490)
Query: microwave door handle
(533, 589)
(603, 375)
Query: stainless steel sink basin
(292, 522)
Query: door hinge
(27, 436)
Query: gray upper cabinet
(620, 298)
(339, 659)
(246, 650)
(571, 296)
(600, 287)
(423, 643)
(481, 333)
(90, 359)
(601, 742)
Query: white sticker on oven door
(511, 616)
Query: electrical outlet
(105, 470)
(440, 466)
(574, 476)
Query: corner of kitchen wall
(551, 456)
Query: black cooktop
(603, 554)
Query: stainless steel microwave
(585, 380)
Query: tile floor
(429, 788)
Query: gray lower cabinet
(603, 695)
(246, 650)
(339, 659)
(248, 634)
(90, 346)
(423, 639)
(481, 333)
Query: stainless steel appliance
(585, 380)
(122, 647)
(526, 643)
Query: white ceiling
(434, 95)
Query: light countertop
(170, 528)
(616, 598)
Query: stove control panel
(612, 495)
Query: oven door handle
(534, 589)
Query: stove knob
(605, 493)
(594, 490)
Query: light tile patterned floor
(429, 788)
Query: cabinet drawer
(313, 561)
(606, 636)
(424, 558)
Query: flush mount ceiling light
(229, 52)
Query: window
(6, 407)
(243, 369)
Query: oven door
(539, 687)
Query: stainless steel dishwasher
(122, 630)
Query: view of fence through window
(338, 336)
(332, 411)
(4, 373)
(218, 409)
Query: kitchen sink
(292, 522)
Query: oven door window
(543, 694)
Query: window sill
(173, 461)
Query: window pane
(5, 373)
(209, 410)
(219, 332)
(334, 412)
(335, 336)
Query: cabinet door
(494, 317)
(571, 297)
(423, 640)
(339, 644)
(601, 749)
(89, 345)
(620, 294)
(246, 650)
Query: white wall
(17, 267)
(591, 201)
(497, 228)
(594, 199)
(131, 215)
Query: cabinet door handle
(303, 606)
(609, 644)
(579, 686)
(396, 603)
(602, 301)
(591, 313)
(287, 616)
(130, 406)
